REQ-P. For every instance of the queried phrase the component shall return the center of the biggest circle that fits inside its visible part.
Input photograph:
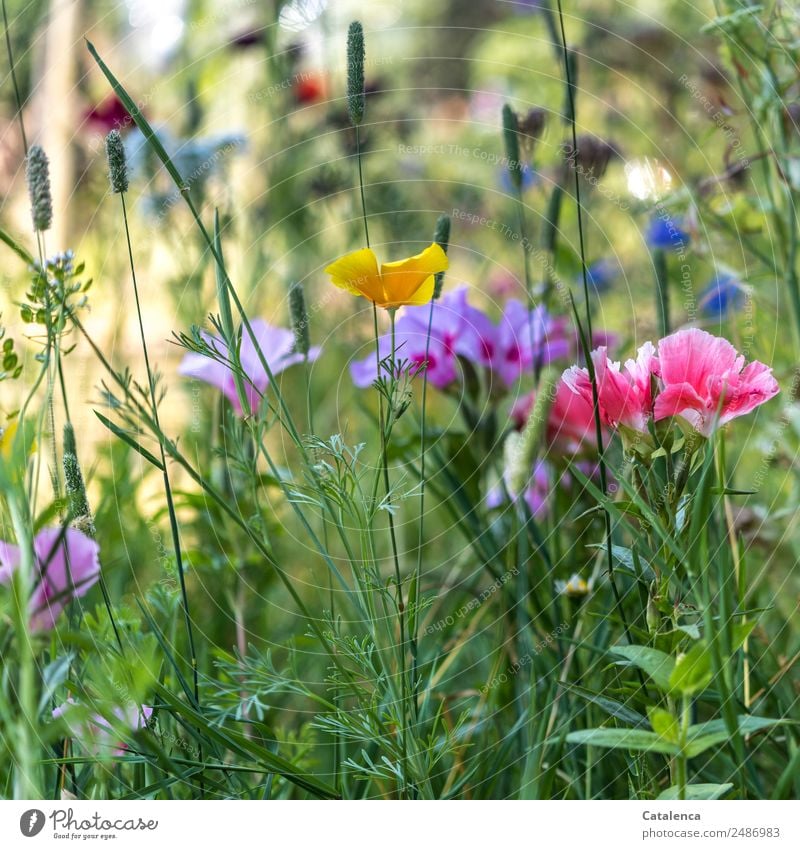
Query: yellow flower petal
(410, 281)
(357, 272)
(7, 439)
(421, 297)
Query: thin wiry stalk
(586, 338)
(361, 186)
(173, 519)
(398, 579)
(421, 521)
(14, 82)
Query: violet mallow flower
(97, 734)
(454, 333)
(67, 566)
(519, 340)
(276, 345)
(535, 494)
(705, 381)
(507, 348)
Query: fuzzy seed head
(299, 316)
(37, 173)
(441, 235)
(117, 162)
(355, 73)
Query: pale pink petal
(706, 382)
(9, 560)
(692, 356)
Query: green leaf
(707, 734)
(610, 706)
(664, 724)
(693, 671)
(53, 676)
(655, 663)
(634, 739)
(128, 439)
(15, 246)
(697, 792)
(241, 745)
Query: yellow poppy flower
(7, 438)
(404, 282)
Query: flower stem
(384, 471)
(173, 520)
(26, 783)
(361, 185)
(586, 341)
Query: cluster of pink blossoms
(691, 375)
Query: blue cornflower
(723, 294)
(529, 178)
(664, 232)
(602, 273)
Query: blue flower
(723, 294)
(602, 274)
(529, 178)
(665, 232)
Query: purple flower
(455, 332)
(68, 566)
(535, 494)
(97, 733)
(275, 343)
(506, 349)
(520, 340)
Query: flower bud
(511, 138)
(79, 510)
(522, 450)
(591, 157)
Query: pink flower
(277, 346)
(67, 565)
(97, 734)
(625, 398)
(703, 376)
(570, 423)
